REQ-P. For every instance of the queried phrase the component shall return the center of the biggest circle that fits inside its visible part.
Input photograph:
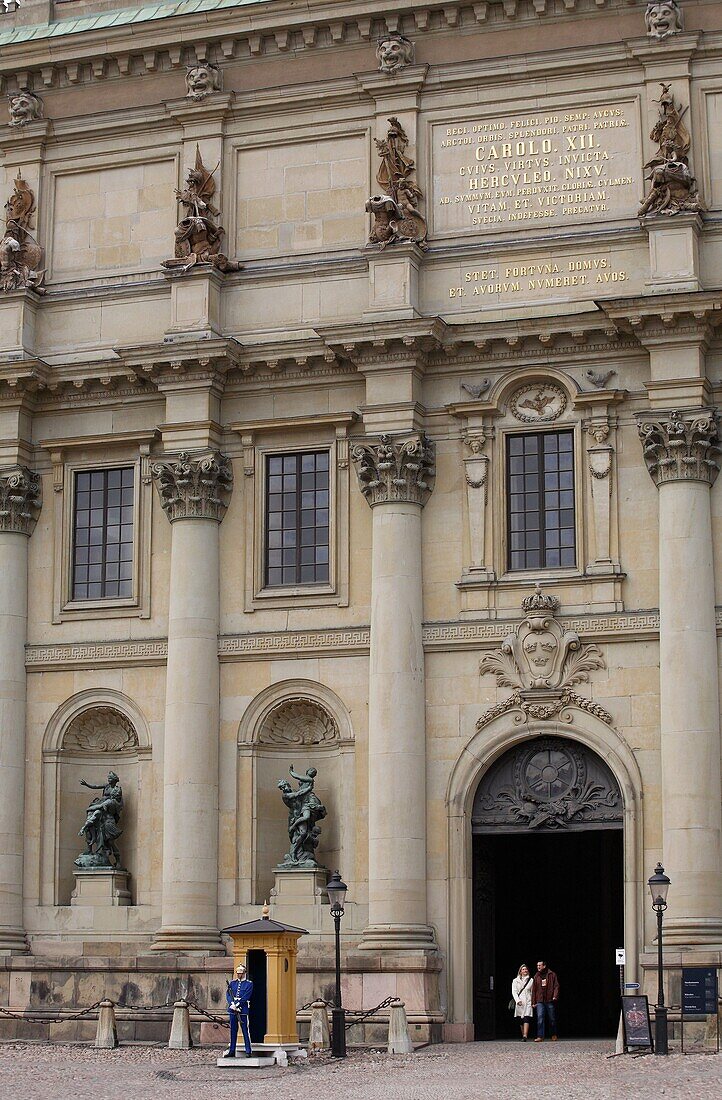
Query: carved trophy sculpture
(395, 209)
(101, 828)
(394, 53)
(305, 810)
(21, 256)
(24, 107)
(202, 80)
(198, 236)
(673, 187)
(663, 18)
(541, 661)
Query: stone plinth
(195, 302)
(101, 888)
(394, 282)
(673, 253)
(299, 897)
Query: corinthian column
(681, 451)
(194, 491)
(396, 477)
(19, 510)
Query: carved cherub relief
(663, 18)
(202, 80)
(394, 53)
(24, 107)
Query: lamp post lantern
(658, 887)
(336, 890)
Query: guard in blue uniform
(238, 999)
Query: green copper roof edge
(118, 18)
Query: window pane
(102, 499)
(296, 521)
(540, 500)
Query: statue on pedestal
(21, 256)
(101, 828)
(305, 810)
(396, 214)
(673, 187)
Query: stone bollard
(399, 1041)
(180, 1029)
(319, 1036)
(106, 1035)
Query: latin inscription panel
(538, 169)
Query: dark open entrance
(548, 873)
(257, 972)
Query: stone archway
(485, 748)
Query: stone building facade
(359, 372)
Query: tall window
(103, 534)
(297, 498)
(540, 493)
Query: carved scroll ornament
(681, 446)
(194, 487)
(395, 469)
(541, 661)
(20, 500)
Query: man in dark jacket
(238, 999)
(544, 997)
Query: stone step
(256, 1061)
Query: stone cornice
(681, 446)
(666, 319)
(20, 500)
(194, 486)
(396, 468)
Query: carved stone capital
(20, 500)
(681, 446)
(194, 486)
(395, 469)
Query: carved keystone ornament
(395, 469)
(542, 662)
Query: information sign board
(699, 991)
(637, 1025)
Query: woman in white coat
(521, 996)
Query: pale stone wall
(315, 342)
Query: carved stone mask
(201, 80)
(24, 107)
(394, 53)
(663, 19)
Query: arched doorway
(547, 883)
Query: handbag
(512, 1003)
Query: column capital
(194, 486)
(20, 499)
(681, 445)
(395, 468)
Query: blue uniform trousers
(234, 1017)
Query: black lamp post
(336, 889)
(658, 887)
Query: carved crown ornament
(20, 500)
(194, 486)
(395, 469)
(681, 446)
(542, 662)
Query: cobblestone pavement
(479, 1071)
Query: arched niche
(89, 735)
(304, 724)
(487, 746)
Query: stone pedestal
(394, 282)
(673, 253)
(299, 897)
(195, 303)
(101, 888)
